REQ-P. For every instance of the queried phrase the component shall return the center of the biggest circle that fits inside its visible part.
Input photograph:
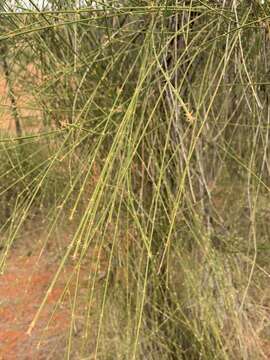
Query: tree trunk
(11, 94)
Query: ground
(24, 284)
(22, 289)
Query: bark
(11, 94)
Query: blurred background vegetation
(142, 130)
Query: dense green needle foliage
(150, 145)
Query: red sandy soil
(27, 275)
(22, 289)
